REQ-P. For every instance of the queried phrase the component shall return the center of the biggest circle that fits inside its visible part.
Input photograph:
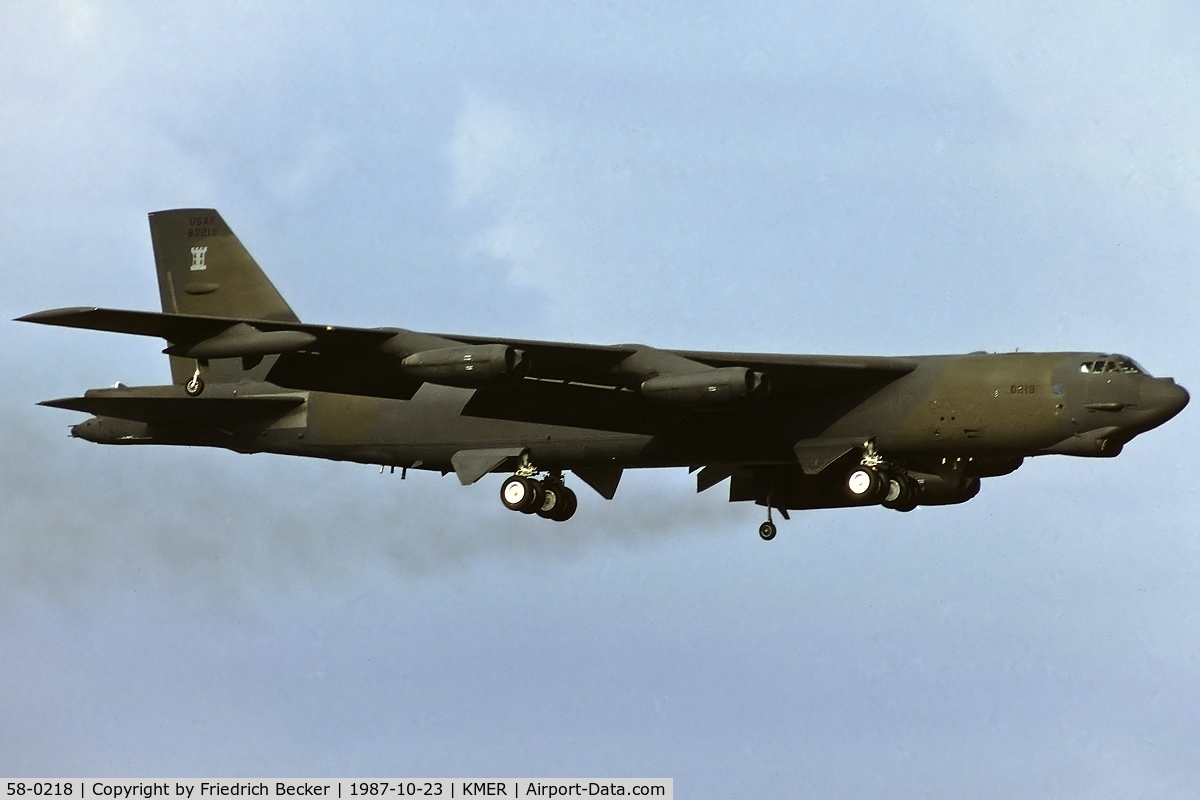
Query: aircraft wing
(351, 360)
(189, 328)
(789, 373)
(814, 374)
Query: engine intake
(708, 387)
(467, 366)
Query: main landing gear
(874, 482)
(901, 493)
(548, 498)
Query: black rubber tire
(521, 494)
(551, 499)
(194, 387)
(565, 504)
(906, 499)
(537, 496)
(865, 485)
(767, 531)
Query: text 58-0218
(20, 789)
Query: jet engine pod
(466, 366)
(939, 490)
(245, 341)
(708, 387)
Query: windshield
(1114, 363)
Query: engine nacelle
(935, 490)
(466, 366)
(709, 387)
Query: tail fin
(203, 269)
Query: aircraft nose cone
(1163, 398)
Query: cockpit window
(1129, 366)
(1113, 364)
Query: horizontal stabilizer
(180, 410)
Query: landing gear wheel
(766, 531)
(559, 503)
(899, 494)
(570, 504)
(195, 386)
(522, 494)
(865, 485)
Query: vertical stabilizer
(204, 269)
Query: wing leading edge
(324, 357)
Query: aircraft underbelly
(432, 427)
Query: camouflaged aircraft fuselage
(786, 431)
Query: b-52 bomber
(787, 432)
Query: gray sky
(872, 178)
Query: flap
(603, 479)
(711, 476)
(815, 455)
(471, 465)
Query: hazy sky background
(890, 178)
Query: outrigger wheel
(196, 385)
(767, 531)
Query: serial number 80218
(380, 788)
(20, 789)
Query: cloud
(82, 20)
(504, 170)
(1108, 89)
(215, 529)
